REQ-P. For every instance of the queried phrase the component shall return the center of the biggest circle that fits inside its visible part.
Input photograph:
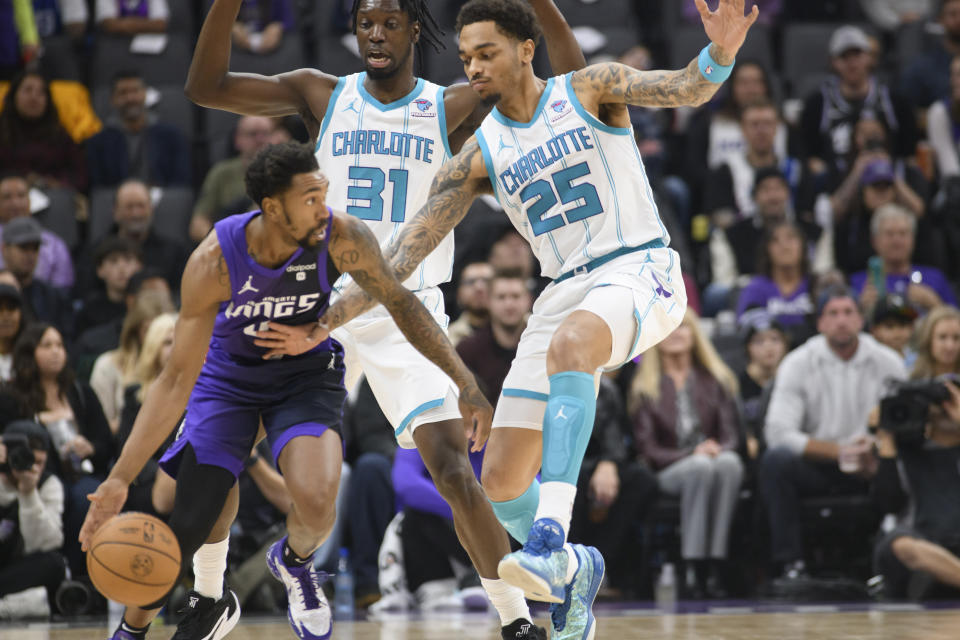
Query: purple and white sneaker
(307, 608)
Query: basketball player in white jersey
(381, 136)
(560, 157)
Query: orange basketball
(134, 558)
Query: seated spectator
(614, 491)
(938, 344)
(510, 252)
(921, 479)
(82, 447)
(133, 221)
(890, 15)
(683, 404)
(472, 300)
(54, 17)
(42, 301)
(128, 18)
(943, 121)
(490, 350)
(891, 324)
(261, 23)
(19, 40)
(822, 398)
(115, 369)
(830, 114)
(54, 263)
(116, 260)
(729, 190)
(893, 231)
(11, 324)
(927, 78)
(767, 343)
(133, 144)
(32, 140)
(223, 187)
(781, 288)
(31, 517)
(157, 345)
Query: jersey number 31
(546, 196)
(373, 193)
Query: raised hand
(727, 26)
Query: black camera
(19, 454)
(905, 412)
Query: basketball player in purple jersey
(277, 264)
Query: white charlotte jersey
(574, 187)
(381, 159)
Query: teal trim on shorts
(524, 393)
(432, 404)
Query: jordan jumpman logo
(248, 286)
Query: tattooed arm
(354, 250)
(614, 83)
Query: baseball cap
(848, 38)
(36, 433)
(766, 173)
(756, 320)
(10, 292)
(877, 171)
(23, 230)
(895, 308)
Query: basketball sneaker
(540, 568)
(206, 618)
(573, 618)
(307, 608)
(125, 632)
(523, 629)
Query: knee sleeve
(567, 425)
(517, 515)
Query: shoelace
(191, 617)
(558, 613)
(307, 584)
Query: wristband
(712, 70)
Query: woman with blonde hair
(938, 343)
(113, 370)
(682, 402)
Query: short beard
(387, 72)
(491, 100)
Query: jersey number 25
(546, 196)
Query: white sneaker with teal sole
(540, 568)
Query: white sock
(209, 566)
(507, 600)
(556, 503)
(572, 562)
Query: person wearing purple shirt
(54, 264)
(892, 233)
(781, 290)
(261, 23)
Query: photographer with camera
(31, 523)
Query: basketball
(134, 559)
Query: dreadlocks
(418, 11)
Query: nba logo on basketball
(423, 109)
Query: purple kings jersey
(296, 292)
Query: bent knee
(500, 484)
(456, 481)
(907, 552)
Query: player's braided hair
(419, 11)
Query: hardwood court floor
(811, 624)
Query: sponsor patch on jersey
(424, 109)
(560, 108)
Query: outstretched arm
(611, 83)
(354, 250)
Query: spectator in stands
(32, 140)
(44, 388)
(157, 345)
(261, 24)
(116, 260)
(921, 479)
(729, 188)
(19, 41)
(490, 350)
(133, 144)
(943, 120)
(927, 79)
(889, 15)
(130, 17)
(893, 232)
(829, 115)
(891, 324)
(31, 517)
(822, 398)
(115, 369)
(767, 343)
(42, 301)
(683, 404)
(714, 131)
(781, 289)
(223, 187)
(54, 17)
(11, 325)
(54, 263)
(133, 221)
(614, 491)
(938, 344)
(473, 295)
